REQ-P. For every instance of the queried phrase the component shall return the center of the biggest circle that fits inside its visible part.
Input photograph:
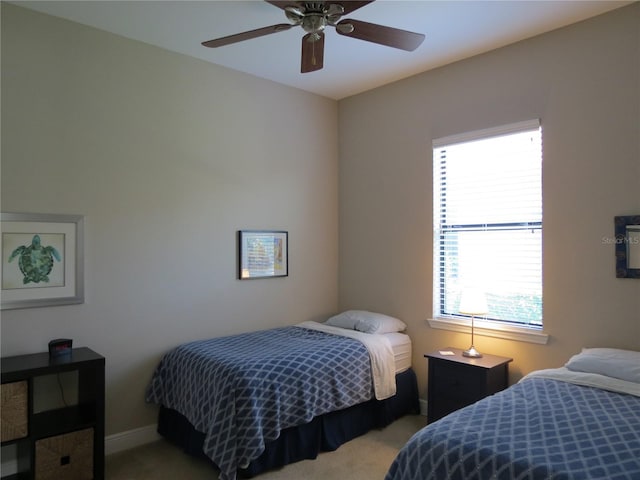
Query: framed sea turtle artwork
(42, 260)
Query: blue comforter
(537, 429)
(242, 390)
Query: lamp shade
(473, 302)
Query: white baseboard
(423, 407)
(119, 442)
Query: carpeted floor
(364, 458)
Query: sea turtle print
(36, 261)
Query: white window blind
(488, 222)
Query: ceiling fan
(313, 17)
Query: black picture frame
(627, 245)
(263, 254)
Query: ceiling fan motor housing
(314, 16)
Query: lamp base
(472, 353)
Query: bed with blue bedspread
(558, 424)
(236, 395)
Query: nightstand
(456, 381)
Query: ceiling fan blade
(371, 32)
(312, 53)
(239, 37)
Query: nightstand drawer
(457, 382)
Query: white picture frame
(42, 260)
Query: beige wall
(166, 157)
(583, 83)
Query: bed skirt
(324, 433)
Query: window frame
(458, 322)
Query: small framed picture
(627, 246)
(262, 254)
(42, 260)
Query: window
(488, 222)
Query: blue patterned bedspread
(242, 390)
(536, 429)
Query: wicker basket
(68, 456)
(14, 411)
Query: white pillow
(346, 319)
(612, 362)
(367, 322)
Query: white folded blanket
(587, 379)
(380, 353)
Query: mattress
(401, 346)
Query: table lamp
(473, 302)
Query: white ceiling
(454, 30)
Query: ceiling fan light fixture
(294, 15)
(333, 13)
(345, 28)
(313, 37)
(313, 23)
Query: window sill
(491, 329)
